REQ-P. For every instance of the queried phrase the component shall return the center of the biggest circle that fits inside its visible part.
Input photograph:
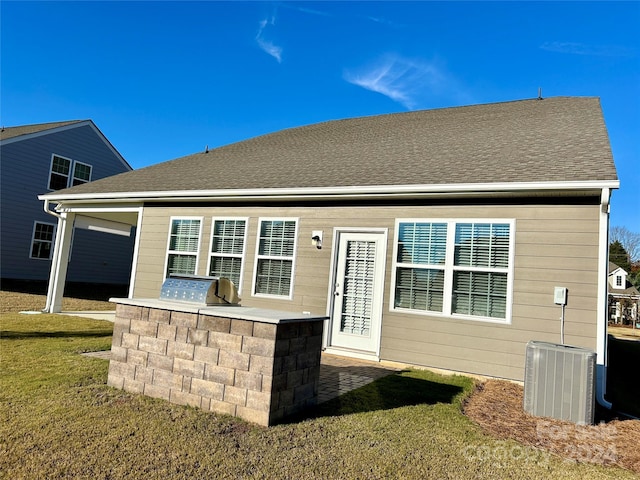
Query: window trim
(449, 269)
(169, 252)
(293, 258)
(33, 239)
(242, 256)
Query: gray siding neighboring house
(433, 238)
(42, 158)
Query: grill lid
(199, 290)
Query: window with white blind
(67, 173)
(183, 246)
(226, 255)
(454, 268)
(42, 240)
(275, 257)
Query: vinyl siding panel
(555, 245)
(111, 263)
(25, 175)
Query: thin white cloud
(403, 80)
(310, 11)
(383, 21)
(576, 48)
(266, 45)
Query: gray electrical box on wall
(560, 382)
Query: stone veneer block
(206, 355)
(180, 350)
(128, 312)
(184, 319)
(259, 365)
(214, 324)
(159, 316)
(248, 380)
(167, 332)
(242, 327)
(142, 327)
(197, 337)
(222, 375)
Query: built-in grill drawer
(199, 290)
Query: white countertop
(264, 315)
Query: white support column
(59, 263)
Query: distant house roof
(555, 140)
(11, 132)
(633, 291)
(25, 132)
(613, 267)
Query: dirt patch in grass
(497, 406)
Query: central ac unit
(559, 382)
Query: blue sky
(165, 79)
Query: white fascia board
(336, 192)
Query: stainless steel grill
(199, 290)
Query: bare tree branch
(629, 240)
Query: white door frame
(327, 340)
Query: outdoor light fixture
(316, 239)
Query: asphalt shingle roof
(11, 132)
(551, 140)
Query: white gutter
(349, 192)
(601, 333)
(46, 208)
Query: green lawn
(60, 420)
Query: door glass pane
(357, 291)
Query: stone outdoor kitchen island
(257, 364)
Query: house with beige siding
(433, 238)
